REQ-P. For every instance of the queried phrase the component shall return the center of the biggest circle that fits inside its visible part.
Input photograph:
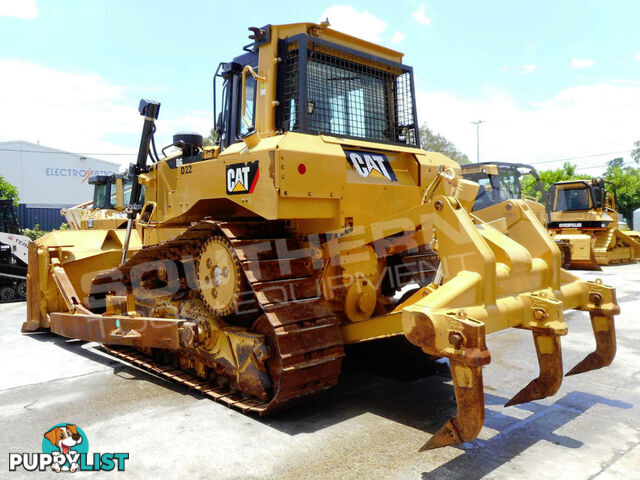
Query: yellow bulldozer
(111, 195)
(584, 213)
(312, 224)
(500, 181)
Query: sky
(552, 81)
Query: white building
(49, 179)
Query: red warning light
(302, 169)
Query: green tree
(548, 178)
(33, 233)
(627, 182)
(434, 142)
(8, 191)
(635, 153)
(211, 139)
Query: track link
(174, 375)
(303, 331)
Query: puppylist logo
(65, 448)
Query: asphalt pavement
(370, 426)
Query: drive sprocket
(219, 276)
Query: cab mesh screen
(347, 96)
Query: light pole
(477, 124)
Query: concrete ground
(370, 426)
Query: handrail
(244, 91)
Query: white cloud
(521, 69)
(581, 63)
(638, 56)
(584, 120)
(527, 69)
(347, 19)
(421, 16)
(25, 9)
(79, 111)
(398, 37)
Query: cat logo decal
(371, 164)
(242, 177)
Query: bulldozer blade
(548, 382)
(565, 251)
(603, 355)
(586, 264)
(466, 425)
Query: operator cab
(111, 192)
(230, 128)
(498, 181)
(8, 224)
(321, 88)
(582, 195)
(582, 204)
(8, 219)
(576, 197)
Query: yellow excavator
(312, 224)
(584, 213)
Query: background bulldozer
(583, 212)
(249, 266)
(499, 182)
(111, 195)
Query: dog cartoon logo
(65, 448)
(65, 442)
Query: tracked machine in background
(13, 255)
(111, 195)
(634, 235)
(584, 213)
(251, 264)
(499, 182)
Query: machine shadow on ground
(402, 384)
(394, 380)
(481, 457)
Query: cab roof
(324, 30)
